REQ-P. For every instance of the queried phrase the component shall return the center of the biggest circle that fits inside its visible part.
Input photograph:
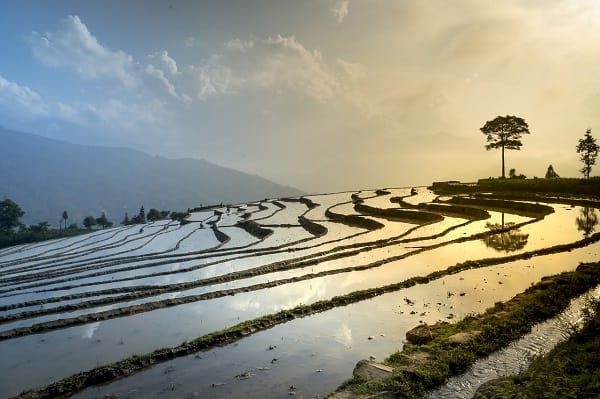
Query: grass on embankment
(28, 236)
(568, 186)
(419, 368)
(570, 370)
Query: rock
(420, 335)
(498, 388)
(413, 360)
(372, 371)
(462, 338)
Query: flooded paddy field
(75, 304)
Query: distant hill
(46, 176)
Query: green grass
(570, 370)
(498, 326)
(569, 186)
(26, 237)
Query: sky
(322, 95)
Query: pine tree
(505, 132)
(588, 149)
(142, 215)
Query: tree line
(504, 132)
(14, 232)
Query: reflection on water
(505, 238)
(333, 349)
(587, 221)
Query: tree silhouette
(504, 237)
(103, 221)
(65, 216)
(126, 220)
(89, 221)
(588, 149)
(41, 227)
(505, 132)
(140, 218)
(551, 173)
(587, 221)
(10, 213)
(154, 214)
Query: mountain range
(46, 176)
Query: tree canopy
(10, 213)
(89, 222)
(140, 218)
(505, 132)
(588, 150)
(103, 221)
(154, 214)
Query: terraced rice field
(73, 304)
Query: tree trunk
(503, 175)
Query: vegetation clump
(313, 228)
(253, 228)
(14, 232)
(558, 186)
(354, 220)
(551, 173)
(408, 216)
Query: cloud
(190, 41)
(165, 71)
(72, 47)
(340, 10)
(26, 104)
(165, 62)
(214, 78)
(237, 44)
(276, 64)
(142, 93)
(288, 64)
(128, 115)
(159, 74)
(352, 69)
(21, 99)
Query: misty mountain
(46, 176)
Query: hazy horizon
(319, 95)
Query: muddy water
(518, 355)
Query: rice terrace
(277, 296)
